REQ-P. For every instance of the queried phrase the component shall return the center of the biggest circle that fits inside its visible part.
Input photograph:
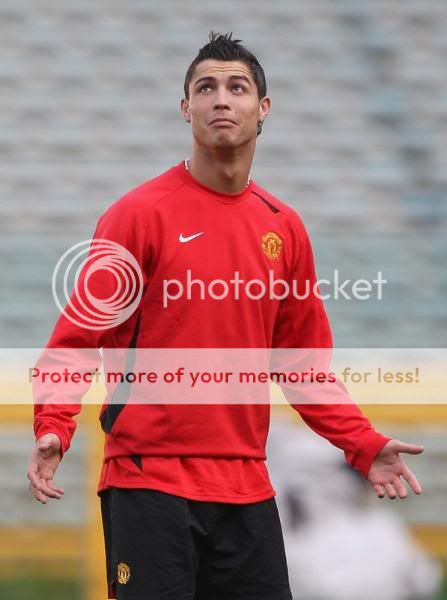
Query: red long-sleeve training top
(210, 452)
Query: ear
(184, 107)
(264, 107)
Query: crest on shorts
(272, 245)
(123, 573)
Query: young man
(188, 508)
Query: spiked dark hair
(223, 47)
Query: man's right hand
(45, 458)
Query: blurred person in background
(188, 508)
(340, 544)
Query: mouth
(222, 121)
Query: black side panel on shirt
(112, 411)
(136, 458)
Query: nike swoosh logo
(189, 238)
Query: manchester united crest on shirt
(272, 245)
(123, 573)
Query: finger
(33, 476)
(38, 495)
(379, 490)
(400, 488)
(389, 487)
(41, 497)
(51, 484)
(32, 489)
(409, 448)
(43, 486)
(412, 481)
(40, 490)
(47, 490)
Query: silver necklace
(186, 161)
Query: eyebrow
(211, 78)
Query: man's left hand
(388, 468)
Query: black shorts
(165, 547)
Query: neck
(229, 174)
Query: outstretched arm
(75, 342)
(302, 323)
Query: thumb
(408, 448)
(47, 446)
(44, 445)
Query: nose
(221, 105)
(221, 99)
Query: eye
(237, 86)
(204, 87)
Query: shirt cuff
(367, 452)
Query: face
(223, 106)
